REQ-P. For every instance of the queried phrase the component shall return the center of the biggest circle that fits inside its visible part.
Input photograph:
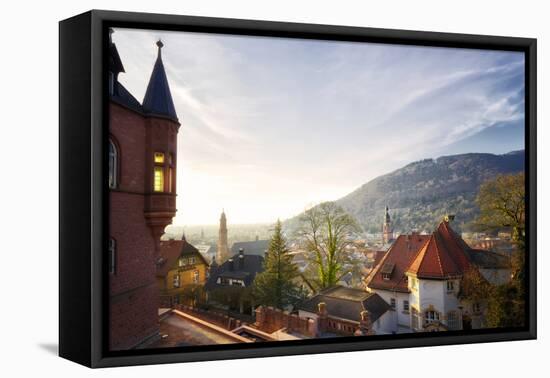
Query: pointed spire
(158, 98)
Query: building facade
(142, 200)
(420, 278)
(181, 273)
(229, 284)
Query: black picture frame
(82, 195)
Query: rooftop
(347, 303)
(441, 255)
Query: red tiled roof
(401, 254)
(378, 255)
(433, 261)
(437, 256)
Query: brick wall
(217, 318)
(269, 320)
(134, 318)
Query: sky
(271, 126)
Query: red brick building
(142, 183)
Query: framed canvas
(235, 188)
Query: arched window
(113, 165)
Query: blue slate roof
(158, 98)
(245, 268)
(123, 97)
(256, 247)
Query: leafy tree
(325, 233)
(502, 206)
(276, 286)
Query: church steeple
(158, 98)
(387, 231)
(223, 248)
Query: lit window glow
(158, 184)
(159, 157)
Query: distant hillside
(421, 193)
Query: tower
(161, 131)
(387, 231)
(142, 200)
(223, 249)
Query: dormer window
(387, 270)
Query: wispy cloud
(270, 125)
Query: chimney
(230, 262)
(449, 218)
(241, 259)
(365, 325)
(322, 309)
(323, 315)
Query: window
(159, 158)
(170, 179)
(112, 256)
(452, 320)
(158, 183)
(158, 173)
(476, 308)
(406, 306)
(430, 316)
(176, 282)
(113, 165)
(192, 260)
(196, 276)
(386, 276)
(171, 172)
(181, 262)
(392, 303)
(237, 282)
(450, 286)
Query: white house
(420, 278)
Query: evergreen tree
(276, 286)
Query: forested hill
(421, 193)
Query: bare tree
(325, 232)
